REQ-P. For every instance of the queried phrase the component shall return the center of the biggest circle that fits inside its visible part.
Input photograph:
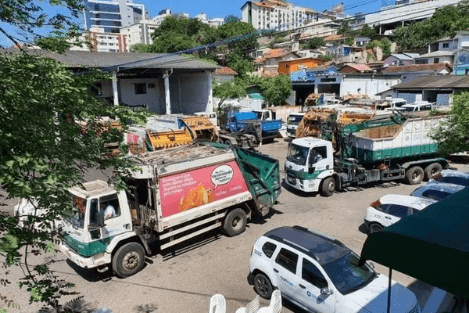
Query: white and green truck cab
(175, 195)
(309, 161)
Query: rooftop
(418, 68)
(126, 60)
(225, 71)
(436, 82)
(320, 247)
(359, 67)
(439, 53)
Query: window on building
(446, 45)
(141, 89)
(436, 60)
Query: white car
(320, 274)
(451, 177)
(391, 208)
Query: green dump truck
(372, 151)
(175, 195)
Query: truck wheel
(432, 170)
(414, 175)
(263, 286)
(235, 222)
(328, 187)
(128, 260)
(375, 227)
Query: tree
(231, 19)
(315, 43)
(240, 63)
(452, 136)
(276, 90)
(444, 22)
(227, 90)
(367, 31)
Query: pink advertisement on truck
(188, 190)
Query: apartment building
(112, 15)
(139, 33)
(212, 22)
(101, 41)
(277, 15)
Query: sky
(217, 8)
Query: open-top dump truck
(371, 151)
(175, 195)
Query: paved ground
(185, 280)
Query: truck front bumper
(303, 185)
(99, 259)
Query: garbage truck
(371, 151)
(173, 195)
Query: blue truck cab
(238, 121)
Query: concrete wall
(189, 92)
(391, 59)
(367, 85)
(151, 99)
(410, 97)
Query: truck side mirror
(326, 291)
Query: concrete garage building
(329, 80)
(436, 89)
(163, 83)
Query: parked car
(391, 208)
(436, 191)
(320, 274)
(451, 177)
(418, 106)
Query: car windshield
(294, 119)
(453, 180)
(297, 154)
(346, 275)
(77, 217)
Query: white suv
(391, 208)
(320, 274)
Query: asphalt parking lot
(183, 280)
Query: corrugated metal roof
(401, 56)
(436, 54)
(417, 68)
(110, 59)
(359, 67)
(436, 82)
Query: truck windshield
(77, 217)
(346, 275)
(294, 119)
(297, 154)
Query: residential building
(267, 65)
(410, 72)
(112, 15)
(322, 28)
(400, 59)
(139, 33)
(461, 58)
(162, 15)
(285, 67)
(213, 22)
(100, 41)
(403, 12)
(169, 84)
(277, 15)
(437, 89)
(224, 74)
(442, 51)
(361, 41)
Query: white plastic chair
(275, 305)
(251, 307)
(217, 304)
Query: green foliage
(444, 22)
(453, 135)
(345, 29)
(367, 31)
(349, 41)
(325, 57)
(231, 19)
(384, 44)
(44, 153)
(276, 90)
(229, 89)
(315, 43)
(240, 63)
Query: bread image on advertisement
(195, 197)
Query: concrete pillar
(166, 92)
(209, 107)
(114, 88)
(379, 30)
(316, 88)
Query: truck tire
(235, 222)
(414, 175)
(128, 259)
(263, 286)
(328, 187)
(375, 227)
(432, 170)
